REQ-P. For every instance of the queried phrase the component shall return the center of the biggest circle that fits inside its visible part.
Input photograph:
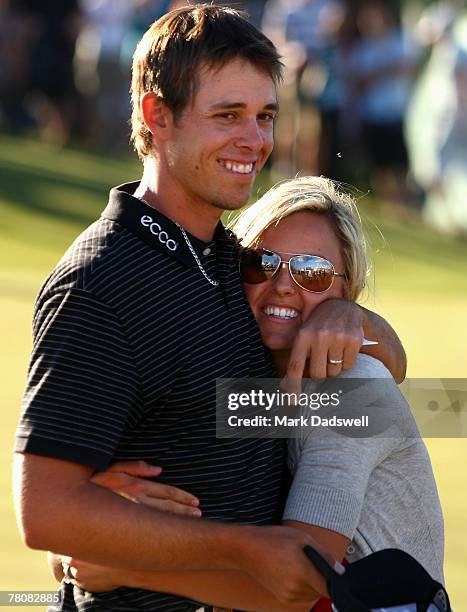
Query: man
(141, 316)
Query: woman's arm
(333, 466)
(389, 349)
(335, 544)
(225, 589)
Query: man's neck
(197, 218)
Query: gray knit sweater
(378, 491)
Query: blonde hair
(318, 195)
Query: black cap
(384, 579)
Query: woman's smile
(280, 306)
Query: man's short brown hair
(168, 58)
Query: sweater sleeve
(331, 466)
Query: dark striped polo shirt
(129, 338)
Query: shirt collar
(157, 230)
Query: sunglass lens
(258, 265)
(312, 273)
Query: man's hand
(333, 333)
(274, 557)
(271, 555)
(130, 479)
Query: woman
(304, 244)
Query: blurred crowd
(375, 91)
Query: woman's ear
(157, 116)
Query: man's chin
(235, 202)
(231, 205)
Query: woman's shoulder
(366, 390)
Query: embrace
(153, 303)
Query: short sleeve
(82, 385)
(332, 470)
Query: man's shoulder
(94, 256)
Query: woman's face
(301, 233)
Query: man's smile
(237, 167)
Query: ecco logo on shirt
(157, 231)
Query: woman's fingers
(167, 505)
(351, 353)
(335, 361)
(113, 480)
(135, 468)
(91, 577)
(157, 489)
(148, 492)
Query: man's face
(223, 137)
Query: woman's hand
(129, 479)
(91, 577)
(329, 340)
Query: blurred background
(374, 96)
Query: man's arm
(227, 589)
(236, 589)
(60, 510)
(335, 331)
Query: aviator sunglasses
(309, 272)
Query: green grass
(47, 196)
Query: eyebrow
(274, 106)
